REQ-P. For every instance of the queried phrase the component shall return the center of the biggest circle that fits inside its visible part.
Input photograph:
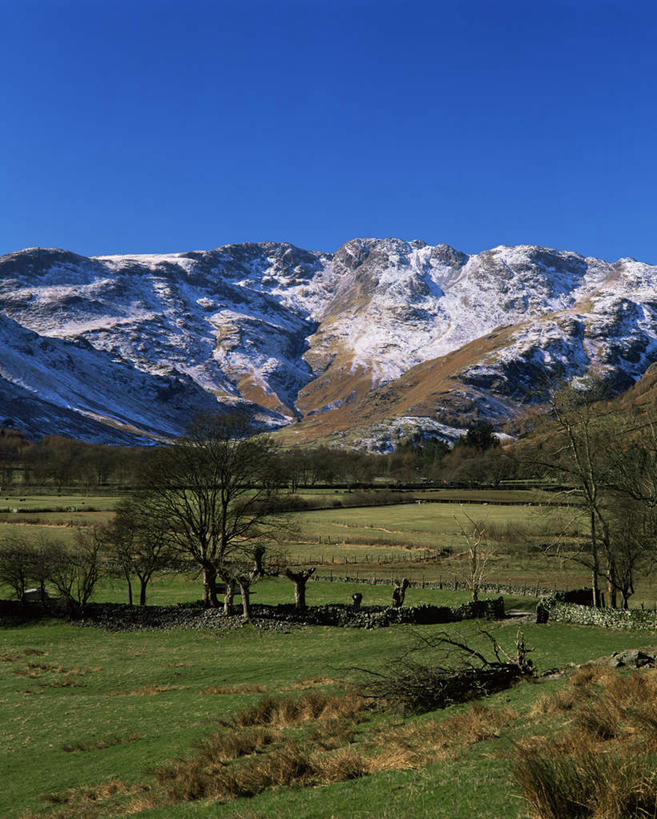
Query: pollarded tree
(213, 491)
(254, 562)
(300, 579)
(399, 593)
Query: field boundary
(628, 619)
(448, 585)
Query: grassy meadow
(90, 716)
(421, 540)
(177, 723)
(371, 540)
(168, 589)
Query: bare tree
(16, 565)
(25, 562)
(75, 571)
(478, 552)
(573, 449)
(213, 489)
(139, 544)
(631, 504)
(610, 460)
(582, 420)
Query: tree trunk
(228, 597)
(299, 579)
(595, 591)
(210, 586)
(143, 582)
(612, 582)
(245, 590)
(613, 595)
(595, 572)
(129, 582)
(300, 593)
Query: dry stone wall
(633, 619)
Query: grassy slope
(89, 685)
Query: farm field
(422, 541)
(98, 717)
(92, 714)
(520, 496)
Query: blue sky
(162, 125)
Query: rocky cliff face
(125, 348)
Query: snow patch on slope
(263, 320)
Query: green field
(385, 541)
(81, 708)
(89, 715)
(399, 540)
(167, 589)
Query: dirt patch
(149, 691)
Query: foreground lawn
(81, 707)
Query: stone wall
(633, 619)
(339, 614)
(119, 616)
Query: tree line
(58, 463)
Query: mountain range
(378, 341)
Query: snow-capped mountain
(382, 337)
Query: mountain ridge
(317, 343)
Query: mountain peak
(380, 326)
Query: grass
(107, 723)
(520, 496)
(167, 589)
(421, 541)
(375, 541)
(160, 694)
(600, 759)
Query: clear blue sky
(165, 125)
